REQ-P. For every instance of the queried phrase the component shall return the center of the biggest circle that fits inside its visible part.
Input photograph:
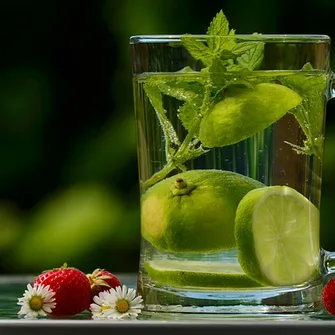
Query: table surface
(12, 287)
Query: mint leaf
(218, 27)
(188, 112)
(219, 35)
(171, 139)
(243, 47)
(178, 89)
(197, 49)
(218, 67)
(222, 47)
(216, 72)
(311, 85)
(188, 88)
(252, 58)
(226, 43)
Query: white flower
(37, 300)
(102, 307)
(118, 303)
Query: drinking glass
(230, 141)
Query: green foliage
(36, 86)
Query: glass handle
(331, 93)
(328, 257)
(328, 261)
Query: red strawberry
(72, 289)
(102, 280)
(328, 296)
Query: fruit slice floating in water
(244, 112)
(198, 274)
(277, 236)
(194, 211)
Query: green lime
(277, 236)
(198, 274)
(194, 211)
(244, 112)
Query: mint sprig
(219, 52)
(222, 53)
(309, 113)
(251, 56)
(197, 92)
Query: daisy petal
(37, 301)
(109, 303)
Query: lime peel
(197, 274)
(244, 112)
(197, 218)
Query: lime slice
(277, 236)
(198, 274)
(244, 112)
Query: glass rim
(281, 38)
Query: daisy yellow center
(122, 306)
(104, 307)
(35, 303)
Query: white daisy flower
(37, 300)
(102, 306)
(118, 303)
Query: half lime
(277, 236)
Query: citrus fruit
(194, 211)
(198, 274)
(244, 112)
(277, 236)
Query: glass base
(218, 302)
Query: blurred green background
(68, 166)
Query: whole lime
(194, 211)
(244, 112)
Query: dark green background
(68, 167)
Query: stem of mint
(186, 150)
(158, 176)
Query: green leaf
(189, 111)
(311, 85)
(241, 48)
(234, 67)
(218, 27)
(218, 66)
(179, 89)
(185, 85)
(252, 58)
(155, 97)
(308, 80)
(227, 43)
(217, 72)
(197, 49)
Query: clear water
(268, 156)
